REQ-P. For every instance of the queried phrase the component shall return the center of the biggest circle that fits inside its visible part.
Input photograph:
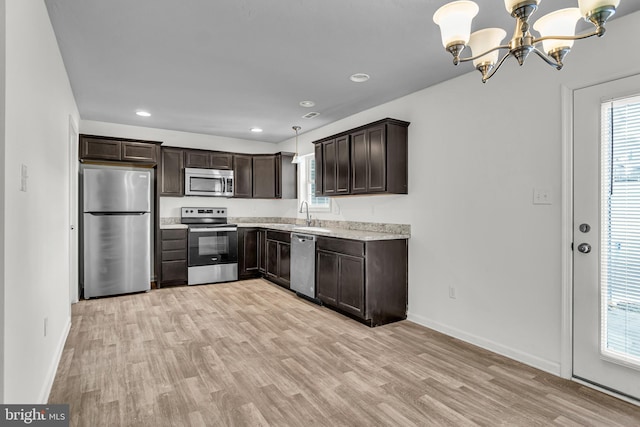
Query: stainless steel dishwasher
(303, 265)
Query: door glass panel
(213, 245)
(620, 231)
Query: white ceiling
(220, 67)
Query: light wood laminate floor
(252, 354)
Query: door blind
(620, 231)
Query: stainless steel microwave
(208, 182)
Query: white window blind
(307, 182)
(620, 230)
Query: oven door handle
(211, 229)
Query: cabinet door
(272, 259)
(343, 165)
(171, 174)
(99, 149)
(248, 252)
(264, 177)
(196, 159)
(174, 272)
(220, 160)
(286, 177)
(351, 284)
(376, 159)
(359, 162)
(327, 277)
(262, 251)
(329, 165)
(139, 152)
(242, 176)
(319, 170)
(284, 263)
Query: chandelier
(557, 32)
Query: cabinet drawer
(342, 246)
(172, 245)
(176, 255)
(174, 271)
(174, 234)
(281, 236)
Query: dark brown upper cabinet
(367, 160)
(286, 177)
(171, 176)
(208, 159)
(336, 166)
(274, 176)
(242, 176)
(264, 176)
(100, 148)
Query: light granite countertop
(342, 229)
(173, 226)
(328, 232)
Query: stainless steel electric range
(213, 246)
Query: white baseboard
(53, 368)
(526, 358)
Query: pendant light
(296, 159)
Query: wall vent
(310, 115)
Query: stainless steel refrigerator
(117, 231)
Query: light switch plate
(23, 178)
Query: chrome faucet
(308, 220)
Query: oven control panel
(204, 212)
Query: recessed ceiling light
(307, 104)
(143, 113)
(359, 77)
(256, 130)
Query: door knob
(585, 248)
(584, 228)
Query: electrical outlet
(541, 196)
(452, 292)
(46, 321)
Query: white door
(606, 236)
(73, 211)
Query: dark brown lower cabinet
(278, 258)
(366, 280)
(173, 265)
(262, 251)
(248, 253)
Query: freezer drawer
(117, 254)
(116, 190)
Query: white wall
(36, 222)
(476, 152)
(3, 39)
(170, 206)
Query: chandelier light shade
(454, 20)
(589, 6)
(511, 5)
(556, 29)
(482, 41)
(559, 23)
